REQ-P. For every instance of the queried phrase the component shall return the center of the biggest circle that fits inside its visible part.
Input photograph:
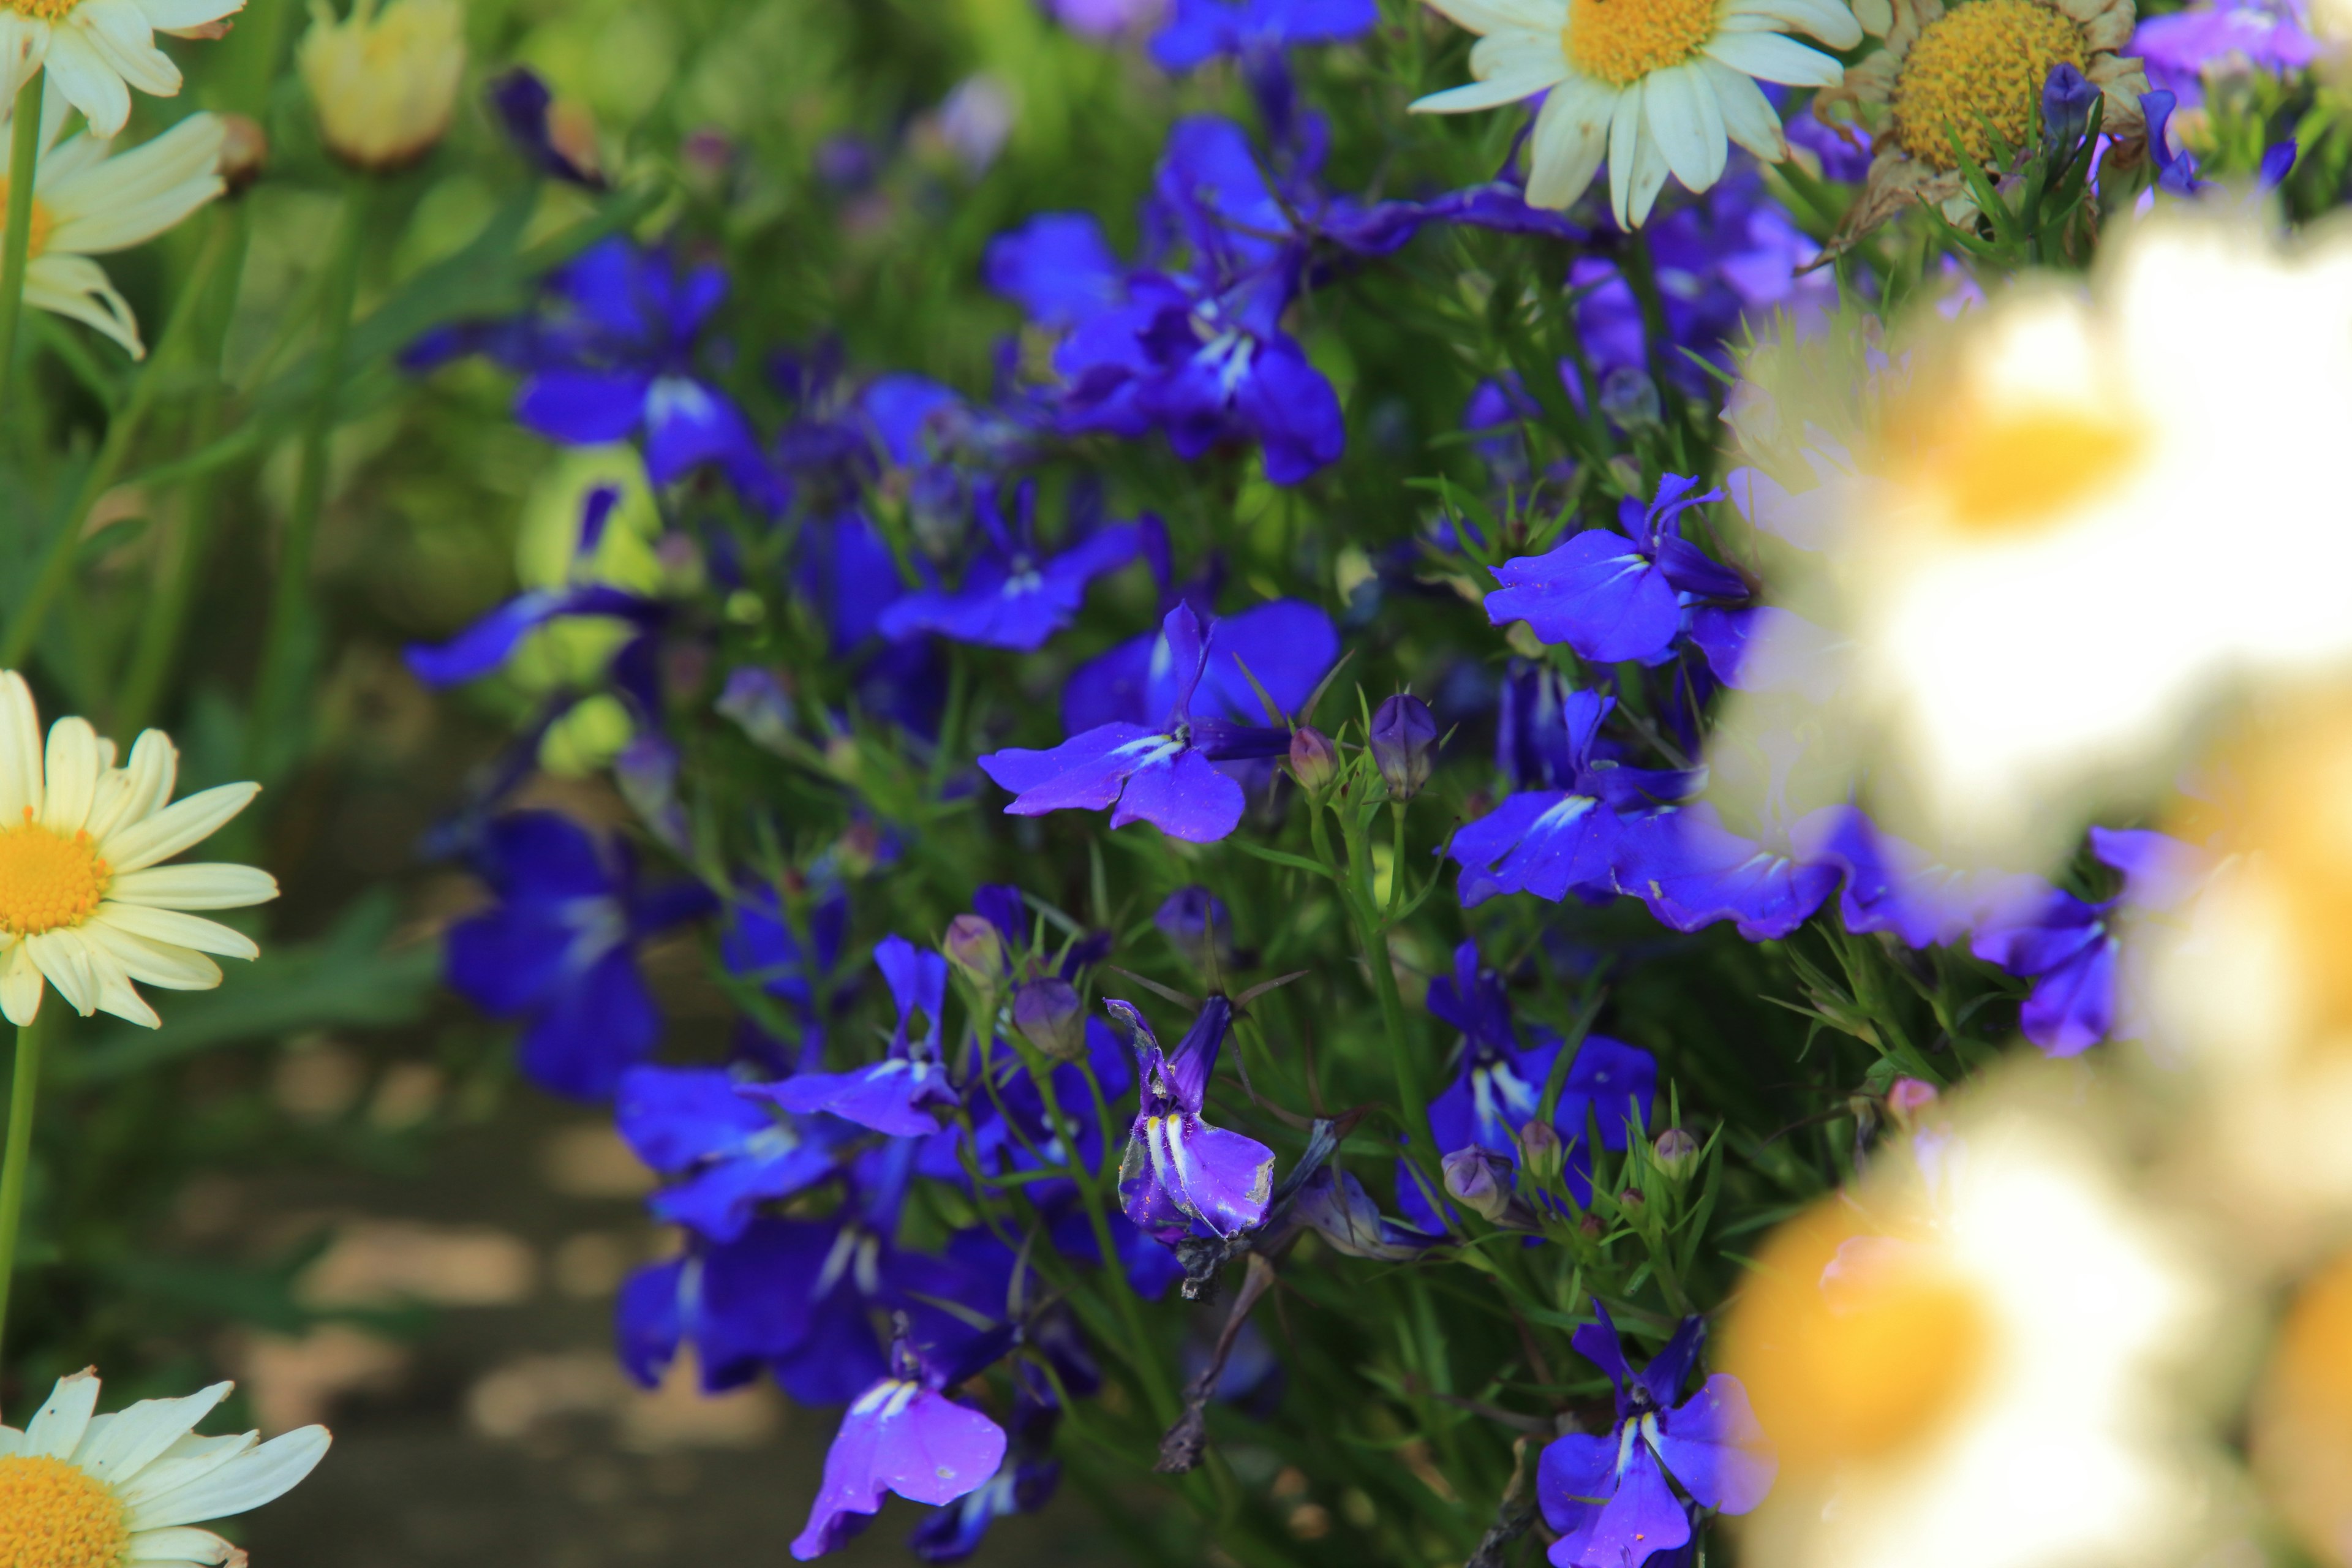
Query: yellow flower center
(46, 880)
(56, 1515)
(2010, 471)
(1621, 41)
(1984, 60)
(42, 10)
(1853, 1346)
(2302, 1426)
(43, 219)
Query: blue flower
(1613, 597)
(1162, 776)
(1012, 595)
(1500, 1083)
(563, 149)
(1608, 1495)
(1201, 30)
(1180, 1176)
(2068, 948)
(559, 949)
(739, 1303)
(1693, 871)
(731, 1155)
(1023, 1483)
(1288, 647)
(2181, 49)
(898, 1094)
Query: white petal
(144, 784)
(133, 196)
(20, 750)
(117, 30)
(197, 885)
(178, 929)
(183, 1462)
(76, 288)
(252, 1478)
(1624, 151)
(78, 71)
(1649, 177)
(1497, 15)
(1522, 72)
(65, 958)
(183, 1544)
(1769, 57)
(167, 15)
(1749, 117)
(1572, 133)
(71, 775)
(139, 1436)
(20, 985)
(151, 962)
(56, 1429)
(1827, 20)
(179, 825)
(1687, 125)
(24, 44)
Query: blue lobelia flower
(563, 148)
(1564, 838)
(1894, 886)
(1201, 30)
(2068, 947)
(1692, 870)
(1287, 647)
(1612, 595)
(759, 943)
(1162, 776)
(727, 1155)
(1023, 1483)
(739, 1303)
(2179, 49)
(902, 1434)
(1012, 595)
(1609, 1494)
(627, 369)
(559, 949)
(897, 1094)
(1333, 1204)
(1180, 1176)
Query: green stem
(16, 244)
(123, 431)
(1403, 1058)
(283, 645)
(19, 1155)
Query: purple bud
(2066, 99)
(1404, 744)
(1909, 1100)
(1197, 922)
(974, 946)
(1675, 1153)
(1314, 760)
(1479, 1180)
(1541, 1151)
(1050, 1017)
(755, 699)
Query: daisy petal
(1624, 151)
(151, 962)
(178, 929)
(1827, 20)
(1525, 80)
(80, 73)
(1687, 122)
(139, 1436)
(169, 15)
(183, 1462)
(1501, 15)
(20, 985)
(1749, 117)
(197, 885)
(65, 961)
(72, 772)
(56, 1429)
(137, 788)
(1649, 177)
(256, 1476)
(183, 1544)
(1769, 57)
(117, 30)
(20, 750)
(1572, 133)
(180, 826)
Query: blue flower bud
(1404, 744)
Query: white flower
(79, 1491)
(84, 901)
(385, 83)
(96, 51)
(86, 204)
(1977, 1359)
(1656, 85)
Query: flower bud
(1590, 1228)
(1909, 1100)
(1195, 921)
(1628, 398)
(384, 84)
(1632, 1200)
(974, 946)
(1048, 1015)
(1479, 1180)
(2066, 99)
(1675, 1153)
(757, 700)
(1541, 1151)
(1404, 744)
(245, 152)
(1314, 760)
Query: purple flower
(562, 145)
(1288, 647)
(1180, 1176)
(2181, 49)
(689, 1122)
(1759, 648)
(1100, 19)
(739, 1303)
(1500, 1083)
(1334, 1205)
(1024, 1483)
(902, 1434)
(1203, 30)
(1694, 871)
(559, 949)
(1611, 596)
(1609, 1496)
(2068, 949)
(896, 1094)
(1014, 595)
(1162, 775)
(490, 642)
(1892, 886)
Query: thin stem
(16, 244)
(284, 646)
(19, 1155)
(1403, 1058)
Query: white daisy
(84, 901)
(1656, 85)
(384, 82)
(87, 203)
(96, 51)
(79, 1491)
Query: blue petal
(583, 408)
(1083, 773)
(596, 1027)
(1057, 267)
(1184, 795)
(1713, 1445)
(1292, 409)
(688, 425)
(1596, 593)
(674, 1117)
(893, 1095)
(1575, 1478)
(1616, 1083)
(1693, 871)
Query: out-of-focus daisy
(2027, 546)
(1944, 70)
(85, 901)
(89, 201)
(1657, 86)
(1970, 1360)
(96, 51)
(2302, 1426)
(83, 1491)
(385, 83)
